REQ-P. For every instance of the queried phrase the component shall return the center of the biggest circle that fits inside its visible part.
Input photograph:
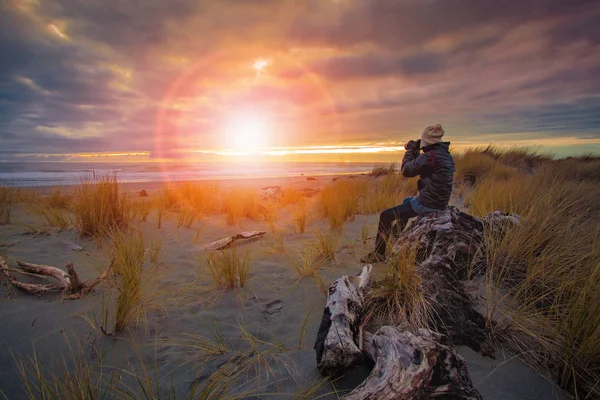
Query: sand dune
(267, 328)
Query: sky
(294, 79)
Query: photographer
(436, 169)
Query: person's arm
(414, 164)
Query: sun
(247, 132)
(260, 64)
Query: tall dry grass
(383, 170)
(128, 254)
(10, 196)
(300, 216)
(227, 269)
(543, 275)
(386, 192)
(307, 263)
(339, 201)
(100, 206)
(396, 297)
(240, 203)
(327, 244)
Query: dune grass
(141, 208)
(327, 244)
(386, 192)
(291, 196)
(128, 254)
(278, 243)
(58, 198)
(342, 200)
(339, 201)
(73, 377)
(227, 269)
(542, 276)
(307, 263)
(396, 297)
(195, 350)
(51, 216)
(300, 216)
(100, 206)
(239, 203)
(384, 170)
(10, 196)
(185, 219)
(4, 214)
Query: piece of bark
(335, 345)
(414, 367)
(223, 243)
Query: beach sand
(271, 323)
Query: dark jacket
(436, 168)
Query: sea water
(71, 173)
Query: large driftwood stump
(414, 367)
(68, 282)
(419, 365)
(448, 242)
(335, 346)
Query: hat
(432, 134)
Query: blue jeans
(409, 208)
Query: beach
(190, 332)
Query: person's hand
(412, 145)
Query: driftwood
(448, 241)
(419, 365)
(335, 345)
(68, 282)
(413, 367)
(407, 366)
(223, 243)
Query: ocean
(70, 173)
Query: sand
(274, 319)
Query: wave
(41, 174)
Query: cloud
(113, 75)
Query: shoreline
(153, 184)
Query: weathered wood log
(68, 282)
(335, 345)
(223, 243)
(418, 365)
(448, 241)
(414, 367)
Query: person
(436, 169)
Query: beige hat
(432, 134)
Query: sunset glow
(285, 81)
(247, 132)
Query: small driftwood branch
(47, 270)
(223, 243)
(68, 282)
(86, 287)
(28, 287)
